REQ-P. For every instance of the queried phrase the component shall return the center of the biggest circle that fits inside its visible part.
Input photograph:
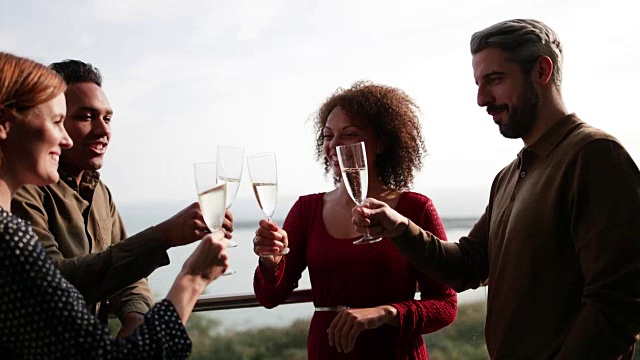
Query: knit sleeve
(273, 286)
(438, 304)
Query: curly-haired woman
(364, 294)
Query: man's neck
(548, 115)
(74, 173)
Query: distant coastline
(460, 211)
(461, 222)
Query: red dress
(360, 276)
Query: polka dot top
(42, 316)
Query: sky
(186, 76)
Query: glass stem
(366, 228)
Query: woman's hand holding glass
(209, 260)
(263, 172)
(207, 263)
(378, 218)
(269, 240)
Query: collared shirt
(82, 231)
(560, 245)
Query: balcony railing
(239, 301)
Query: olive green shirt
(559, 244)
(82, 231)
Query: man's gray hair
(526, 40)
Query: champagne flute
(264, 179)
(212, 193)
(355, 177)
(233, 159)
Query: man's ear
(543, 70)
(6, 118)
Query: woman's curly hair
(393, 118)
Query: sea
(140, 216)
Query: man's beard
(522, 116)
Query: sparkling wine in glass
(212, 193)
(264, 179)
(233, 159)
(355, 177)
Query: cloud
(185, 76)
(9, 41)
(131, 11)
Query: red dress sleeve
(273, 286)
(438, 303)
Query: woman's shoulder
(420, 209)
(412, 199)
(12, 226)
(309, 201)
(311, 197)
(17, 237)
(305, 209)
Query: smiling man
(559, 242)
(78, 223)
(86, 102)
